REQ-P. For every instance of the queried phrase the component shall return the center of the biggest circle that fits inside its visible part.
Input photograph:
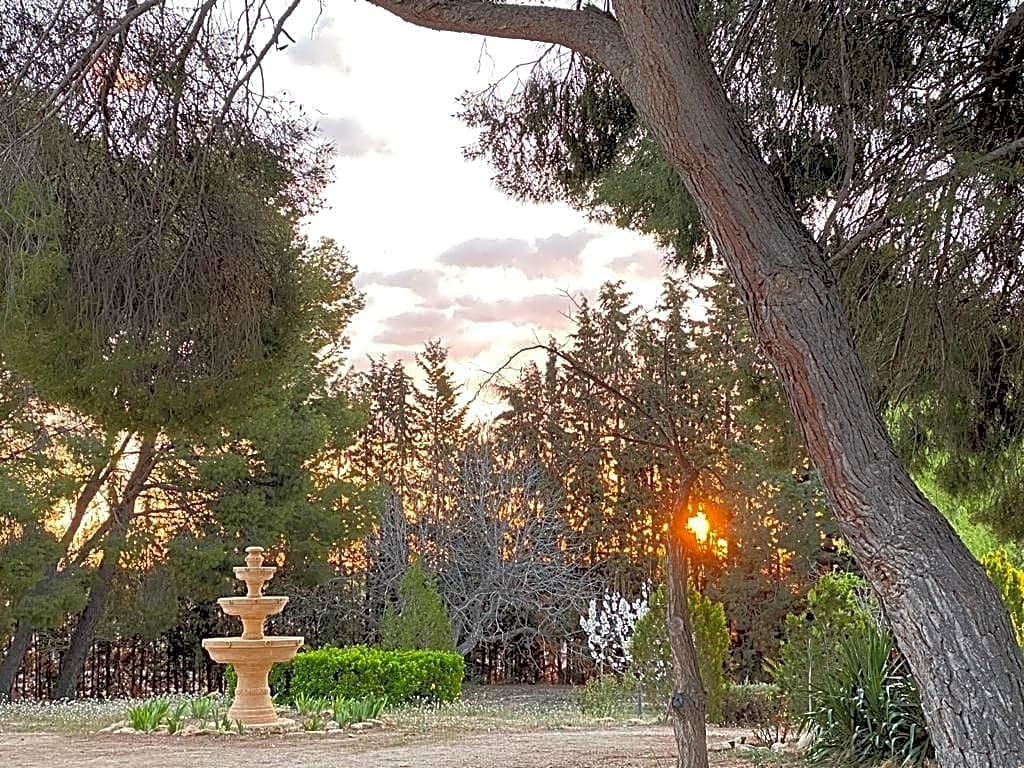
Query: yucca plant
(868, 711)
(148, 715)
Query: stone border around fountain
(285, 726)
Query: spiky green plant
(348, 711)
(148, 715)
(311, 705)
(176, 716)
(868, 711)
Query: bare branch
(591, 31)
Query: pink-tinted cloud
(422, 282)
(553, 256)
(542, 310)
(646, 265)
(414, 328)
(462, 348)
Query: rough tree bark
(14, 657)
(73, 660)
(946, 616)
(688, 707)
(22, 640)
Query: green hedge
(356, 672)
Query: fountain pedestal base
(251, 660)
(252, 704)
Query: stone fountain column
(253, 653)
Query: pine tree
(420, 620)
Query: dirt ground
(635, 747)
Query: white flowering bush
(610, 624)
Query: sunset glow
(699, 526)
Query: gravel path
(639, 747)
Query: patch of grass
(483, 709)
(201, 708)
(82, 716)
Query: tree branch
(590, 30)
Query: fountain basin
(251, 660)
(253, 611)
(255, 576)
(237, 650)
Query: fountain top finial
(254, 573)
(254, 556)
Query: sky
(441, 252)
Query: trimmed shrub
(421, 621)
(358, 672)
(652, 656)
(607, 695)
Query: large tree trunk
(688, 706)
(72, 662)
(947, 617)
(15, 655)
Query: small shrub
(148, 715)
(421, 621)
(652, 655)
(751, 704)
(839, 606)
(347, 711)
(358, 672)
(607, 695)
(313, 722)
(867, 711)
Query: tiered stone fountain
(253, 653)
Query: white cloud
(321, 49)
(350, 139)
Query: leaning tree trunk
(15, 655)
(72, 662)
(688, 706)
(948, 619)
(16, 651)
